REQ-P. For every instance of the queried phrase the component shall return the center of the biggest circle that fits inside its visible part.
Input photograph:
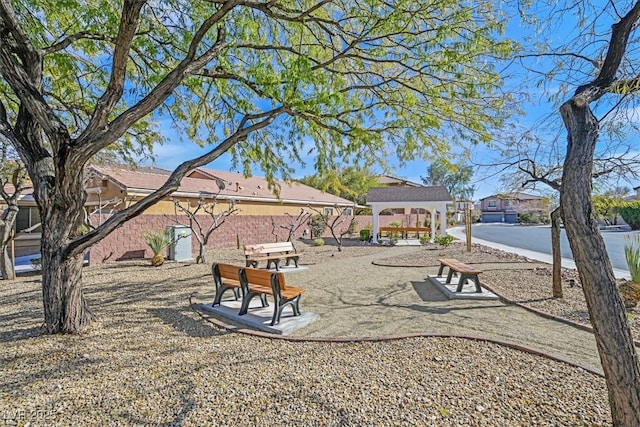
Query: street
(538, 239)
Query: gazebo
(433, 199)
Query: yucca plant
(630, 291)
(632, 254)
(158, 241)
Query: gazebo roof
(436, 193)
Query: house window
(507, 203)
(328, 211)
(346, 212)
(492, 203)
(27, 217)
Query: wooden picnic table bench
(256, 282)
(465, 271)
(270, 252)
(226, 277)
(403, 232)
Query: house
(635, 196)
(259, 214)
(392, 181)
(26, 242)
(507, 207)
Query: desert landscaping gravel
(152, 360)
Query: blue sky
(175, 150)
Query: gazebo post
(375, 226)
(433, 225)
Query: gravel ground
(150, 360)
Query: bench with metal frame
(270, 252)
(227, 277)
(465, 271)
(256, 282)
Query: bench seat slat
(260, 282)
(466, 272)
(270, 252)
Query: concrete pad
(408, 242)
(259, 317)
(286, 269)
(468, 289)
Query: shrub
(318, 225)
(396, 224)
(36, 263)
(318, 242)
(365, 234)
(630, 213)
(158, 241)
(424, 239)
(632, 255)
(525, 217)
(445, 240)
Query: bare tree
(207, 204)
(529, 162)
(599, 70)
(295, 223)
(337, 223)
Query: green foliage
(355, 83)
(365, 235)
(158, 240)
(353, 224)
(318, 225)
(630, 212)
(36, 263)
(455, 177)
(444, 240)
(632, 255)
(525, 217)
(606, 205)
(351, 183)
(396, 224)
(318, 242)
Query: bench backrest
(267, 248)
(225, 271)
(265, 278)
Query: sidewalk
(459, 233)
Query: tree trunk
(606, 309)
(557, 256)
(201, 259)
(62, 211)
(65, 309)
(6, 226)
(6, 265)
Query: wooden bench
(270, 252)
(227, 276)
(403, 232)
(256, 282)
(466, 272)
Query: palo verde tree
(455, 177)
(351, 182)
(266, 80)
(600, 66)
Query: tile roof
(436, 193)
(514, 196)
(236, 185)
